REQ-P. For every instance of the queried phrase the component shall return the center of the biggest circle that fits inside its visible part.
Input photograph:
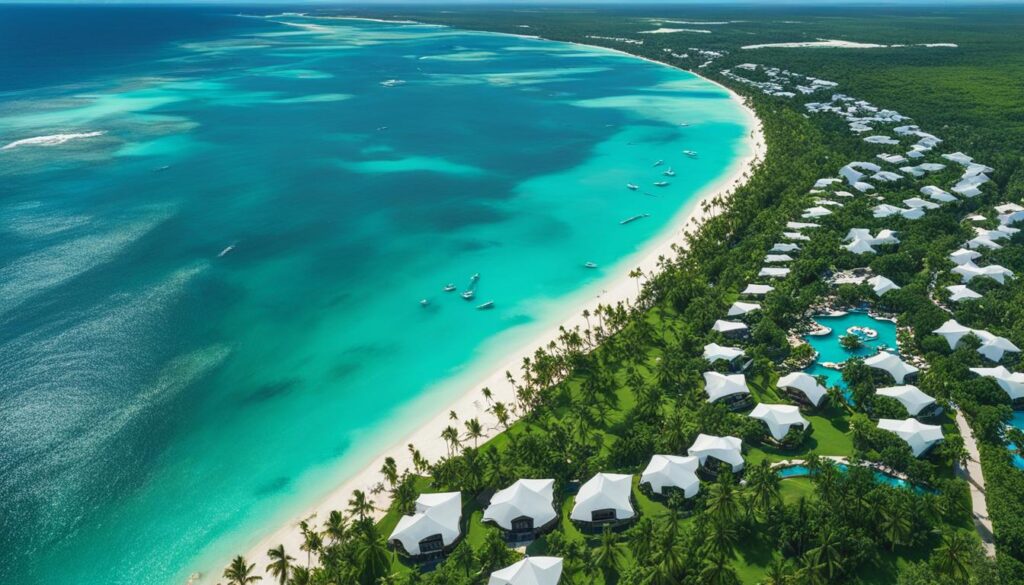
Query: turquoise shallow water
(209, 313)
(829, 349)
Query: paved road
(972, 473)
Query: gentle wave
(52, 139)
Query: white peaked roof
(953, 332)
(983, 241)
(722, 326)
(805, 383)
(918, 435)
(918, 202)
(909, 396)
(771, 272)
(801, 225)
(813, 212)
(882, 285)
(1011, 382)
(992, 346)
(672, 471)
(968, 186)
(779, 417)
(879, 139)
(859, 246)
(1005, 208)
(886, 176)
(783, 248)
(529, 571)
(795, 236)
(960, 292)
(714, 352)
(940, 195)
(822, 183)
(963, 256)
(719, 386)
(757, 290)
(726, 449)
(604, 491)
(777, 258)
(894, 159)
(740, 308)
(527, 497)
(970, 271)
(891, 363)
(959, 158)
(435, 514)
(885, 210)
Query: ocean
(216, 230)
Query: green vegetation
(607, 398)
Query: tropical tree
(607, 557)
(828, 555)
(239, 572)
(953, 555)
(280, 564)
(359, 505)
(474, 430)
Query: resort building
(892, 365)
(757, 290)
(960, 292)
(1011, 382)
(739, 309)
(970, 271)
(433, 529)
(937, 194)
(917, 403)
(729, 388)
(964, 256)
(779, 418)
(672, 471)
(714, 352)
(919, 436)
(784, 248)
(529, 571)
(731, 329)
(773, 272)
(524, 510)
(713, 451)
(881, 285)
(803, 388)
(605, 499)
(777, 258)
(992, 346)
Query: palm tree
(607, 557)
(312, 542)
(474, 430)
(723, 503)
(390, 471)
(488, 395)
(280, 564)
(952, 556)
(827, 555)
(336, 527)
(300, 576)
(763, 484)
(500, 412)
(372, 557)
(359, 505)
(451, 438)
(779, 573)
(895, 524)
(239, 572)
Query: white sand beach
(617, 287)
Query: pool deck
(976, 481)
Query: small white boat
(590, 265)
(659, 163)
(392, 82)
(475, 277)
(424, 302)
(632, 187)
(485, 306)
(690, 153)
(449, 287)
(661, 184)
(634, 218)
(683, 124)
(468, 295)
(225, 251)
(669, 172)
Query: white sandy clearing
(659, 31)
(618, 287)
(837, 44)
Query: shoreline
(489, 371)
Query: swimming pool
(880, 477)
(830, 350)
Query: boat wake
(52, 139)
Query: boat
(449, 287)
(468, 295)
(590, 265)
(424, 302)
(475, 277)
(392, 82)
(485, 306)
(690, 153)
(661, 184)
(669, 172)
(684, 124)
(225, 251)
(634, 218)
(632, 187)
(659, 163)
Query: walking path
(972, 473)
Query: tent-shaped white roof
(779, 418)
(940, 195)
(953, 332)
(859, 246)
(1005, 208)
(714, 352)
(992, 346)
(604, 491)
(805, 383)
(529, 571)
(1011, 382)
(813, 212)
(885, 210)
(726, 449)
(959, 158)
(918, 435)
(882, 285)
(436, 514)
(960, 292)
(970, 271)
(722, 326)
(886, 176)
(719, 386)
(893, 159)
(777, 258)
(757, 290)
(983, 241)
(771, 272)
(918, 202)
(963, 256)
(892, 364)
(739, 308)
(909, 396)
(672, 471)
(532, 498)
(795, 236)
(785, 248)
(801, 225)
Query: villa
(780, 418)
(714, 352)
(917, 403)
(731, 389)
(523, 510)
(769, 272)
(919, 436)
(992, 346)
(757, 290)
(529, 571)
(964, 256)
(784, 248)
(960, 292)
(432, 530)
(970, 271)
(1011, 382)
(940, 195)
(803, 388)
(667, 472)
(714, 451)
(892, 365)
(731, 329)
(881, 285)
(739, 309)
(607, 498)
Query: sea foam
(52, 139)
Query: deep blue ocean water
(209, 298)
